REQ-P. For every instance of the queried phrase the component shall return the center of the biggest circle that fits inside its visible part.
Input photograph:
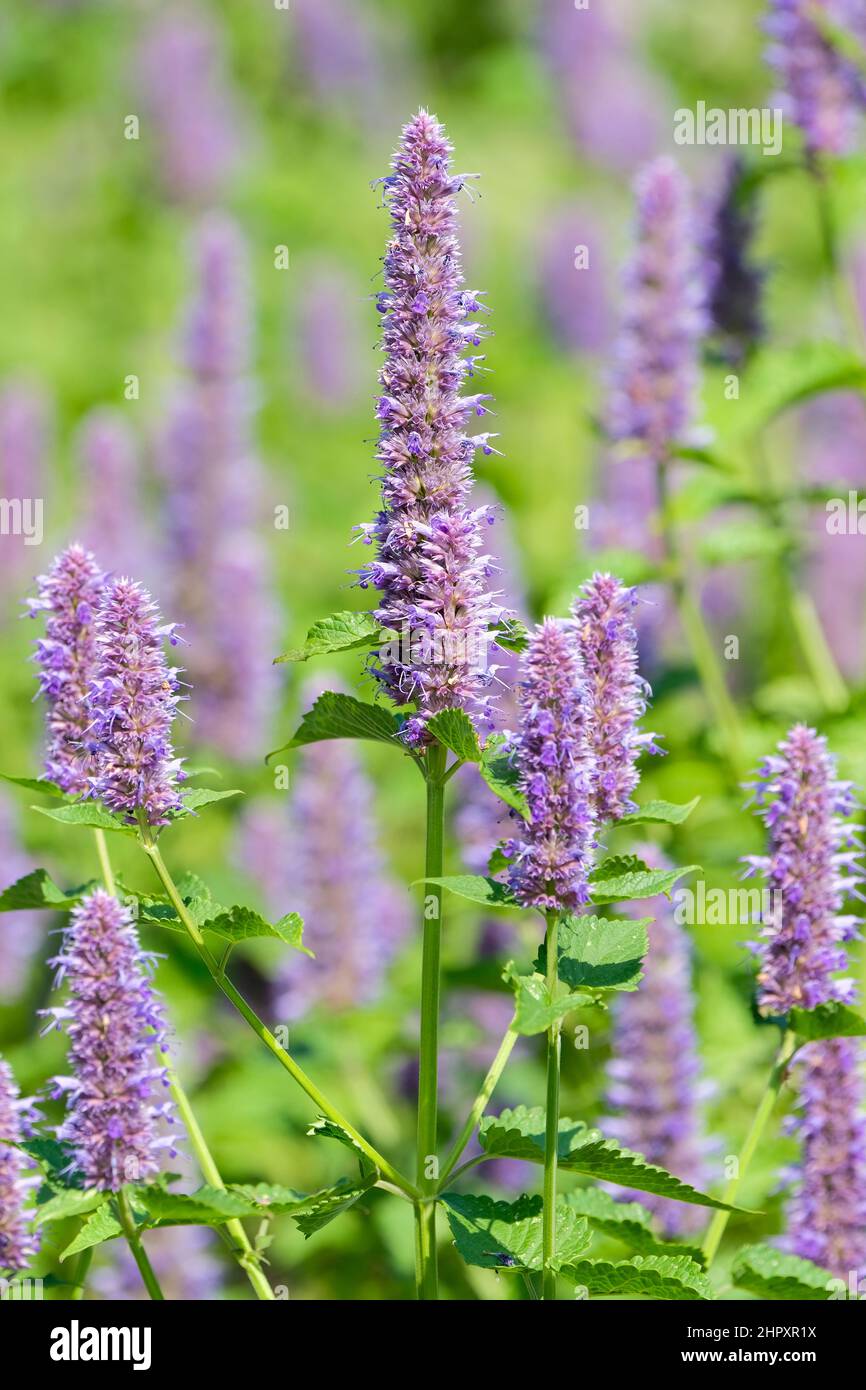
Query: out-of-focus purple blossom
(822, 91)
(329, 337)
(18, 1241)
(215, 508)
(617, 693)
(810, 868)
(183, 1258)
(24, 434)
(20, 932)
(654, 1076)
(116, 1030)
(656, 369)
(429, 568)
(190, 105)
(551, 851)
(132, 701)
(735, 282)
(827, 1211)
(112, 524)
(573, 281)
(340, 58)
(69, 595)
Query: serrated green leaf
(71, 1201)
(511, 634)
(235, 924)
(194, 798)
(102, 1225)
(599, 952)
(674, 1278)
(323, 1128)
(241, 923)
(37, 891)
(771, 1274)
(56, 1160)
(207, 1206)
(501, 776)
(322, 1207)
(505, 1235)
(455, 729)
(341, 632)
(335, 715)
(660, 813)
(826, 1021)
(477, 889)
(34, 784)
(519, 1133)
(88, 814)
(628, 1222)
(624, 878)
(534, 1009)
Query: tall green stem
(133, 1239)
(551, 1129)
(427, 1175)
(82, 1265)
(489, 1085)
(762, 1115)
(251, 1017)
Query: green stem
(82, 1265)
(847, 310)
(133, 1237)
(490, 1083)
(251, 1017)
(551, 1129)
(762, 1115)
(426, 1175)
(828, 679)
(105, 862)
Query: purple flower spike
(656, 371)
(822, 91)
(429, 567)
(654, 1076)
(18, 1244)
(69, 594)
(116, 1029)
(132, 702)
(112, 520)
(552, 752)
(617, 693)
(811, 866)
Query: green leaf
(194, 798)
(674, 1278)
(534, 1010)
(505, 1235)
(519, 1133)
(750, 539)
(511, 634)
(825, 1021)
(56, 1161)
(323, 1128)
(488, 891)
(34, 784)
(207, 1206)
(322, 1207)
(501, 776)
(86, 813)
(241, 923)
(335, 715)
(102, 1225)
(771, 1274)
(71, 1201)
(660, 813)
(623, 878)
(37, 891)
(626, 1221)
(341, 632)
(780, 378)
(599, 952)
(455, 729)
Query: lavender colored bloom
(827, 1211)
(736, 284)
(116, 1029)
(552, 753)
(822, 90)
(429, 570)
(575, 295)
(109, 473)
(810, 867)
(215, 512)
(340, 57)
(654, 1075)
(70, 595)
(24, 428)
(328, 333)
(20, 932)
(132, 701)
(183, 1258)
(18, 1243)
(616, 692)
(656, 371)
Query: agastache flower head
(811, 866)
(112, 520)
(18, 1243)
(552, 753)
(132, 701)
(617, 693)
(70, 595)
(429, 568)
(654, 1075)
(116, 1030)
(656, 369)
(822, 90)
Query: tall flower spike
(616, 691)
(69, 594)
(656, 369)
(18, 1243)
(552, 754)
(654, 1075)
(429, 569)
(116, 1029)
(112, 521)
(822, 90)
(132, 702)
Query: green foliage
(88, 814)
(624, 878)
(599, 952)
(826, 1021)
(673, 1278)
(505, 1235)
(628, 1222)
(335, 715)
(500, 774)
(660, 813)
(534, 1009)
(455, 729)
(341, 632)
(37, 890)
(768, 1273)
(489, 892)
